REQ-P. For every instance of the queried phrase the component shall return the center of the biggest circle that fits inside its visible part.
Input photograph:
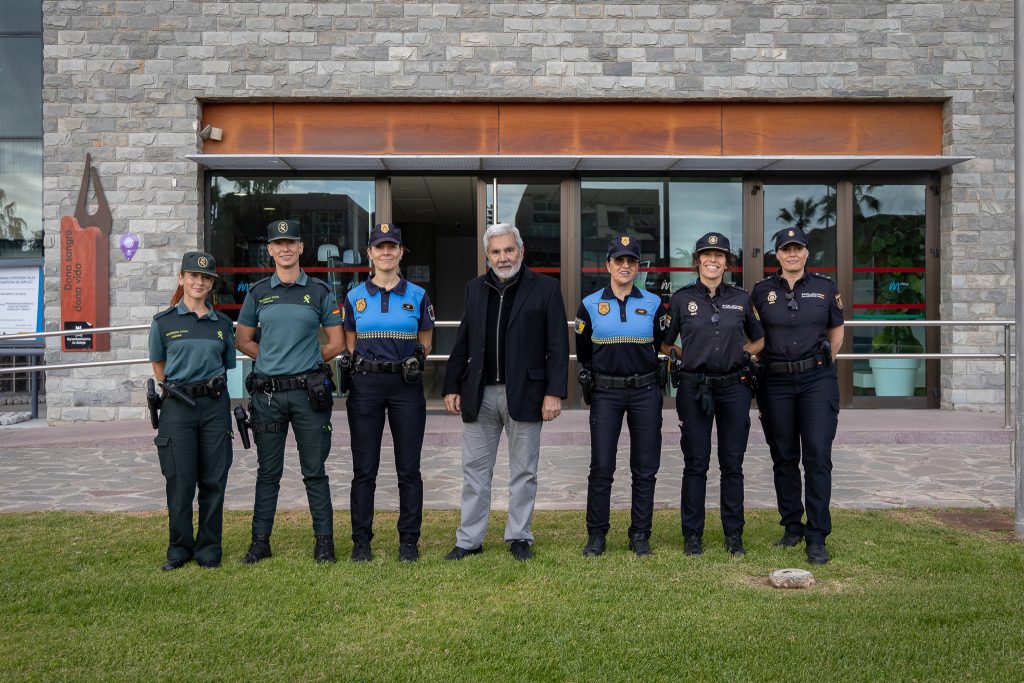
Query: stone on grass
(791, 578)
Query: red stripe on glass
(888, 306)
(316, 269)
(888, 270)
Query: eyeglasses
(717, 315)
(791, 303)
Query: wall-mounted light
(210, 133)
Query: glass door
(535, 207)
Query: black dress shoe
(323, 551)
(361, 552)
(789, 539)
(171, 565)
(639, 544)
(817, 553)
(520, 550)
(215, 564)
(408, 552)
(734, 544)
(458, 553)
(259, 549)
(595, 546)
(692, 545)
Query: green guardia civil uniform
(290, 317)
(194, 444)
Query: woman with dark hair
(719, 332)
(191, 348)
(389, 325)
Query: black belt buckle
(629, 382)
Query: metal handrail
(1007, 356)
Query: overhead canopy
(568, 163)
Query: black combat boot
(323, 551)
(259, 549)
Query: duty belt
(197, 389)
(631, 382)
(377, 365)
(795, 366)
(284, 383)
(711, 381)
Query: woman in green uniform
(191, 348)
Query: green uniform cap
(199, 262)
(283, 230)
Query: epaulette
(318, 281)
(822, 276)
(260, 282)
(689, 284)
(764, 279)
(165, 312)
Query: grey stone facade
(124, 80)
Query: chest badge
(772, 297)
(603, 307)
(306, 299)
(408, 307)
(641, 311)
(692, 307)
(360, 305)
(220, 334)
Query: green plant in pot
(894, 339)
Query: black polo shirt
(710, 346)
(796, 321)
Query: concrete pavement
(881, 458)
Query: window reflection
(335, 214)
(21, 16)
(534, 208)
(21, 198)
(889, 284)
(699, 207)
(811, 208)
(21, 85)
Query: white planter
(895, 376)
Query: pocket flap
(162, 441)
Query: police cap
(385, 232)
(623, 246)
(790, 236)
(283, 230)
(712, 240)
(199, 262)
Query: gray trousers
(479, 452)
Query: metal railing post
(1007, 374)
(34, 381)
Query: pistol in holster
(586, 379)
(243, 424)
(171, 389)
(344, 380)
(412, 367)
(826, 353)
(675, 369)
(154, 402)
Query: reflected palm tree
(803, 213)
(12, 227)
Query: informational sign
(85, 267)
(21, 292)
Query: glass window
(811, 208)
(698, 207)
(21, 198)
(21, 86)
(889, 284)
(613, 207)
(534, 208)
(335, 214)
(21, 16)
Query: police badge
(360, 305)
(603, 308)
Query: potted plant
(895, 376)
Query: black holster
(675, 369)
(154, 402)
(586, 385)
(412, 367)
(344, 372)
(320, 388)
(826, 353)
(242, 422)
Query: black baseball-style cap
(790, 236)
(712, 240)
(385, 232)
(623, 246)
(199, 262)
(283, 230)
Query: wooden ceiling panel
(248, 128)
(386, 128)
(833, 128)
(611, 128)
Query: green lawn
(905, 598)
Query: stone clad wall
(124, 80)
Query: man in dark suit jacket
(507, 371)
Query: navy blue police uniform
(618, 341)
(799, 395)
(712, 328)
(387, 324)
(194, 443)
(289, 317)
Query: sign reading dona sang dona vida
(85, 268)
